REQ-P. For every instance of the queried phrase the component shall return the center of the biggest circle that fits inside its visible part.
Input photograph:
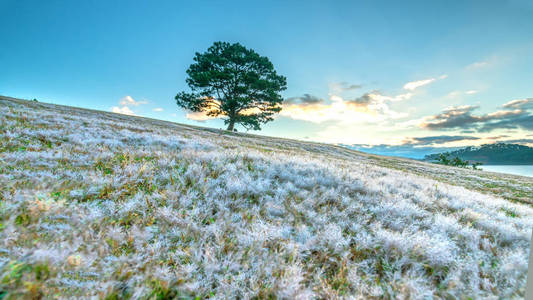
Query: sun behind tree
(235, 82)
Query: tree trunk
(231, 124)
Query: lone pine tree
(232, 81)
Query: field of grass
(96, 204)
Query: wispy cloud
(377, 96)
(416, 84)
(454, 94)
(437, 140)
(413, 85)
(498, 137)
(158, 109)
(305, 99)
(520, 104)
(477, 65)
(339, 87)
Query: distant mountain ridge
(492, 154)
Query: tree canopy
(232, 81)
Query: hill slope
(100, 204)
(493, 154)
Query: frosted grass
(97, 205)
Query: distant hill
(493, 154)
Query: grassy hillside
(107, 205)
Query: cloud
(129, 101)
(521, 122)
(158, 109)
(519, 141)
(212, 111)
(122, 110)
(208, 113)
(305, 99)
(498, 137)
(455, 116)
(440, 139)
(369, 107)
(454, 94)
(364, 100)
(526, 103)
(339, 87)
(416, 84)
(379, 97)
(413, 85)
(477, 65)
(376, 96)
(515, 116)
(125, 102)
(198, 116)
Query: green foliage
(457, 162)
(19, 278)
(235, 82)
(475, 165)
(444, 159)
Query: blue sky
(464, 61)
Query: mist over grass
(96, 204)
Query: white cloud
(371, 107)
(122, 110)
(198, 116)
(416, 84)
(526, 103)
(400, 97)
(454, 94)
(413, 85)
(478, 64)
(158, 109)
(129, 101)
(125, 103)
